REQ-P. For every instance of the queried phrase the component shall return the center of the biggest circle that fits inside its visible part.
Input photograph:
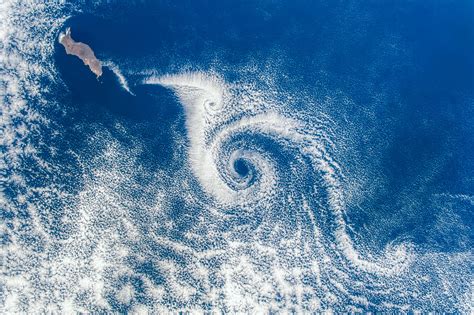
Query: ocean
(257, 157)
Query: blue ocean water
(256, 157)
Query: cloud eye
(211, 106)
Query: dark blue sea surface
(244, 156)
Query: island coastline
(82, 51)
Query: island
(81, 50)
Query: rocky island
(81, 50)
